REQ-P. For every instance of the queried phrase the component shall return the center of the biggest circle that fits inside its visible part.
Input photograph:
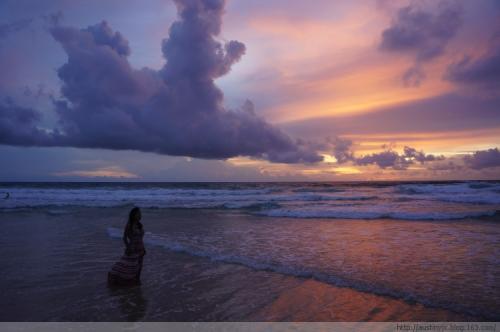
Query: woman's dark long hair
(131, 216)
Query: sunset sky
(275, 90)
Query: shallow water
(245, 264)
(433, 245)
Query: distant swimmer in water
(7, 195)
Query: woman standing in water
(127, 271)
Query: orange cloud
(103, 172)
(447, 144)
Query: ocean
(372, 251)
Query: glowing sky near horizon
(313, 69)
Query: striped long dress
(126, 270)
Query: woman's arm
(125, 235)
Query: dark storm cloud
(421, 33)
(483, 71)
(17, 124)
(483, 159)
(177, 110)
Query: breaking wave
(413, 201)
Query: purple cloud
(422, 34)
(178, 110)
(341, 149)
(483, 159)
(392, 159)
(17, 124)
(385, 159)
(483, 71)
(419, 156)
(11, 27)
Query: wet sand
(316, 301)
